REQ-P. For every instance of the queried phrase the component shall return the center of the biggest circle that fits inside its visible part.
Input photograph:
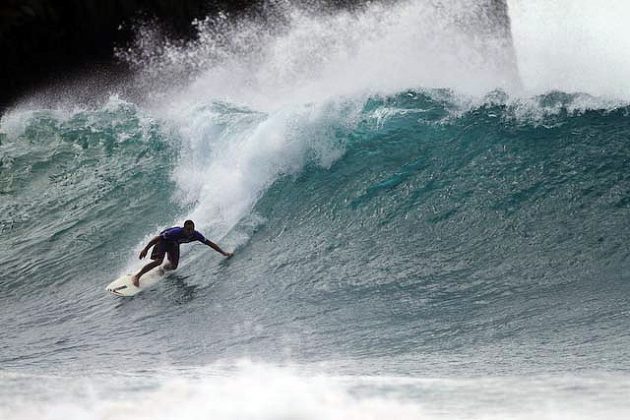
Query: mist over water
(572, 46)
(302, 57)
(430, 220)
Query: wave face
(401, 247)
(419, 241)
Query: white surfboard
(123, 286)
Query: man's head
(189, 227)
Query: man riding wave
(167, 243)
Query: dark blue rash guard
(178, 234)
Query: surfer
(167, 243)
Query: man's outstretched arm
(152, 242)
(218, 249)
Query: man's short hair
(189, 222)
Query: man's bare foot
(135, 280)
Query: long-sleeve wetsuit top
(178, 234)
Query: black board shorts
(171, 248)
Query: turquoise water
(418, 252)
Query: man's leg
(145, 269)
(173, 258)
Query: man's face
(189, 229)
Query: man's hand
(143, 253)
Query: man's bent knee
(170, 266)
